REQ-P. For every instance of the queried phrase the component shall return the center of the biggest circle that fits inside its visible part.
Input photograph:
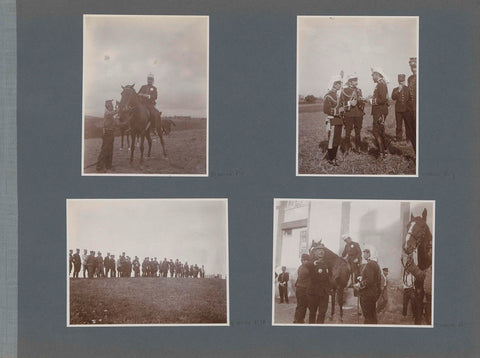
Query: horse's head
(127, 96)
(317, 250)
(418, 236)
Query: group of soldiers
(95, 265)
(344, 106)
(313, 285)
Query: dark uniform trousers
(317, 303)
(351, 123)
(283, 290)
(379, 131)
(106, 153)
(369, 309)
(302, 303)
(400, 118)
(410, 120)
(408, 297)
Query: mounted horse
(417, 259)
(133, 110)
(340, 273)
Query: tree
(310, 98)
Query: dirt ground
(186, 154)
(147, 300)
(312, 131)
(284, 313)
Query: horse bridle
(420, 234)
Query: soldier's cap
(345, 237)
(150, 75)
(284, 267)
(385, 269)
(99, 253)
(352, 76)
(366, 250)
(412, 61)
(304, 257)
(109, 101)
(401, 77)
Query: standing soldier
(136, 266)
(129, 267)
(351, 100)
(113, 271)
(77, 263)
(106, 264)
(319, 288)
(172, 268)
(155, 267)
(70, 262)
(301, 286)
(369, 286)
(186, 271)
(283, 284)
(334, 119)
(190, 270)
(91, 264)
(99, 266)
(195, 271)
(379, 103)
(106, 153)
(401, 96)
(411, 130)
(353, 254)
(145, 267)
(122, 267)
(202, 272)
(148, 94)
(119, 267)
(84, 262)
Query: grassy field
(186, 148)
(284, 313)
(312, 132)
(148, 300)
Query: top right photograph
(357, 89)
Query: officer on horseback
(148, 95)
(353, 254)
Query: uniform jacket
(76, 259)
(283, 278)
(380, 98)
(347, 95)
(412, 88)
(109, 119)
(319, 279)
(371, 281)
(151, 91)
(401, 98)
(303, 276)
(353, 251)
(330, 102)
(106, 261)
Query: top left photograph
(145, 95)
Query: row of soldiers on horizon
(344, 106)
(95, 265)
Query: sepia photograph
(145, 95)
(147, 262)
(353, 262)
(357, 95)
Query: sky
(191, 230)
(120, 50)
(328, 45)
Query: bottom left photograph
(147, 262)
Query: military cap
(401, 77)
(412, 61)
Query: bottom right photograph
(353, 262)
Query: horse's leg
(332, 308)
(149, 140)
(340, 302)
(132, 148)
(122, 132)
(160, 134)
(142, 141)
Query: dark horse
(340, 273)
(137, 114)
(418, 242)
(124, 127)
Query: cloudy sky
(189, 229)
(121, 50)
(328, 45)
